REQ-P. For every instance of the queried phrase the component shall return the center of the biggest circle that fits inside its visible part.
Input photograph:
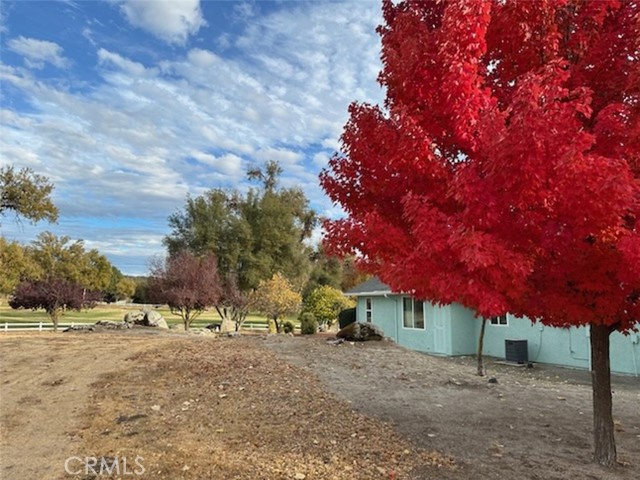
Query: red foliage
(503, 171)
(187, 283)
(53, 295)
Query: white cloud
(135, 142)
(286, 158)
(170, 20)
(130, 67)
(38, 52)
(228, 164)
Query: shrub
(346, 316)
(325, 303)
(288, 326)
(308, 323)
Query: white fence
(48, 326)
(36, 326)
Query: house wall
(464, 326)
(383, 314)
(454, 330)
(560, 346)
(414, 338)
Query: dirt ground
(176, 406)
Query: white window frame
(368, 309)
(413, 314)
(499, 321)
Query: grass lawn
(114, 313)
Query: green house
(454, 330)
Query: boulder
(146, 318)
(154, 319)
(361, 332)
(135, 317)
(227, 326)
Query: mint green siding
(454, 330)
(562, 346)
(383, 313)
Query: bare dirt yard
(152, 405)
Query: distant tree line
(228, 250)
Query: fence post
(40, 327)
(6, 326)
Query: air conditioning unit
(516, 351)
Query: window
(500, 320)
(368, 309)
(412, 313)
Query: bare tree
(187, 283)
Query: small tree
(54, 295)
(275, 298)
(187, 283)
(26, 194)
(233, 305)
(325, 303)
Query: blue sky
(129, 105)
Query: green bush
(346, 317)
(288, 326)
(325, 303)
(308, 323)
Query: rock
(227, 326)
(113, 325)
(146, 318)
(154, 319)
(361, 332)
(135, 317)
(79, 328)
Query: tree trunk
(481, 371)
(54, 319)
(603, 435)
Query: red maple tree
(503, 171)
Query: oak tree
(26, 194)
(64, 258)
(253, 235)
(503, 170)
(15, 265)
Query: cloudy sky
(129, 105)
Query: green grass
(114, 313)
